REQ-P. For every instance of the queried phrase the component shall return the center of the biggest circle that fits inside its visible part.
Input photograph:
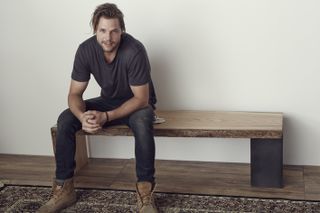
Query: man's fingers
(91, 130)
(92, 116)
(89, 116)
(92, 121)
(90, 125)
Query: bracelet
(107, 116)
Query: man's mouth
(107, 43)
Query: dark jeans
(140, 122)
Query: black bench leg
(267, 163)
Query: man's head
(108, 11)
(108, 25)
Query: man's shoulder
(130, 45)
(89, 43)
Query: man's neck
(109, 57)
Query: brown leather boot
(145, 197)
(62, 197)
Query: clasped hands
(93, 120)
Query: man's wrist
(80, 116)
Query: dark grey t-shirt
(130, 67)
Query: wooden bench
(264, 130)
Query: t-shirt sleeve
(139, 69)
(81, 71)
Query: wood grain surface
(210, 124)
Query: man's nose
(107, 36)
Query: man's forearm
(76, 105)
(128, 107)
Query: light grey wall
(206, 55)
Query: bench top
(220, 124)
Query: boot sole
(66, 205)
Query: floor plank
(230, 179)
(312, 182)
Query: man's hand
(92, 120)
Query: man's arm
(75, 100)
(78, 107)
(139, 100)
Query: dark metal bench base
(267, 162)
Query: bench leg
(81, 156)
(267, 163)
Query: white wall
(206, 55)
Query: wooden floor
(232, 179)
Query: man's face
(109, 34)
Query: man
(120, 65)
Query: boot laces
(56, 192)
(146, 200)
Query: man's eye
(116, 31)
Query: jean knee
(68, 122)
(142, 120)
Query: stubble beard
(109, 48)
